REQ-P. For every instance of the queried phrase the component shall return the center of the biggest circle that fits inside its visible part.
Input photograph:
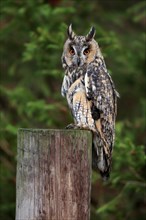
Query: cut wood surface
(53, 174)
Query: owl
(91, 95)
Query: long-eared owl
(91, 95)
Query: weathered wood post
(53, 174)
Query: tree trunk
(53, 174)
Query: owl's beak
(78, 61)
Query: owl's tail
(99, 159)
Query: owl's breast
(80, 106)
(76, 86)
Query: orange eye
(86, 51)
(71, 51)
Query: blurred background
(32, 34)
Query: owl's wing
(100, 89)
(65, 85)
(69, 78)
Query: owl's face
(80, 50)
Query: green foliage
(32, 36)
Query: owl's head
(80, 50)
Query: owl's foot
(77, 126)
(72, 126)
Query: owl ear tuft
(71, 34)
(91, 34)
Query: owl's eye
(71, 51)
(86, 51)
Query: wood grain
(53, 174)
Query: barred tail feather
(99, 160)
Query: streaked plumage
(90, 94)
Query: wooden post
(53, 174)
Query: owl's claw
(72, 126)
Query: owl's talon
(73, 126)
(70, 126)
